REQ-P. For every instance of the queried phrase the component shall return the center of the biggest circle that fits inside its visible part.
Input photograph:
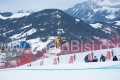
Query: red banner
(25, 58)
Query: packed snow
(80, 71)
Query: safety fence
(28, 57)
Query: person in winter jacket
(102, 58)
(115, 58)
(95, 59)
(86, 59)
(57, 42)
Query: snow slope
(15, 15)
(83, 71)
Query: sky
(35, 5)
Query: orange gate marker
(71, 60)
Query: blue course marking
(48, 69)
(106, 68)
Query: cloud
(35, 5)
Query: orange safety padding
(71, 59)
(41, 63)
(89, 57)
(55, 61)
(108, 56)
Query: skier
(57, 42)
(62, 41)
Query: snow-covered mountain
(96, 10)
(21, 13)
(41, 28)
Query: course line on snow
(48, 69)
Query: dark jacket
(95, 59)
(115, 58)
(102, 58)
(86, 59)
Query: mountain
(96, 10)
(22, 11)
(6, 14)
(41, 28)
(19, 14)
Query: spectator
(58, 59)
(103, 58)
(119, 57)
(115, 58)
(74, 57)
(86, 59)
(95, 59)
(30, 64)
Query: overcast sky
(35, 5)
